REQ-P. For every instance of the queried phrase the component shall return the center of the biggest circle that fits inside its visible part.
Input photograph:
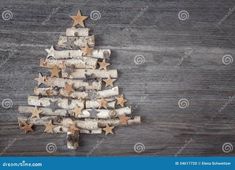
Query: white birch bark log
(45, 111)
(77, 32)
(62, 103)
(95, 104)
(97, 94)
(57, 128)
(81, 73)
(114, 122)
(86, 113)
(82, 62)
(73, 42)
(65, 54)
(60, 82)
(81, 124)
(63, 129)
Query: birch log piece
(57, 128)
(96, 94)
(81, 124)
(72, 140)
(96, 104)
(82, 62)
(114, 122)
(81, 73)
(65, 54)
(63, 129)
(62, 103)
(73, 42)
(60, 82)
(45, 111)
(77, 32)
(86, 113)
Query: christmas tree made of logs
(78, 96)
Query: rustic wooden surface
(129, 28)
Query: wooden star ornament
(109, 81)
(35, 113)
(26, 127)
(103, 65)
(41, 79)
(103, 103)
(73, 128)
(49, 127)
(68, 88)
(78, 19)
(86, 51)
(121, 101)
(123, 119)
(77, 111)
(108, 129)
(55, 71)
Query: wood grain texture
(129, 28)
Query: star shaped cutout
(35, 113)
(49, 92)
(40, 79)
(123, 119)
(55, 71)
(50, 52)
(121, 101)
(112, 113)
(73, 129)
(103, 65)
(109, 81)
(70, 70)
(68, 88)
(54, 105)
(93, 112)
(103, 103)
(108, 129)
(49, 127)
(87, 51)
(77, 111)
(26, 127)
(78, 19)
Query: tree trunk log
(72, 140)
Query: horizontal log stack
(79, 94)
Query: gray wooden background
(184, 59)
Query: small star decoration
(26, 127)
(103, 65)
(109, 82)
(35, 112)
(87, 51)
(78, 19)
(121, 101)
(123, 119)
(103, 103)
(108, 129)
(55, 71)
(41, 79)
(49, 127)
